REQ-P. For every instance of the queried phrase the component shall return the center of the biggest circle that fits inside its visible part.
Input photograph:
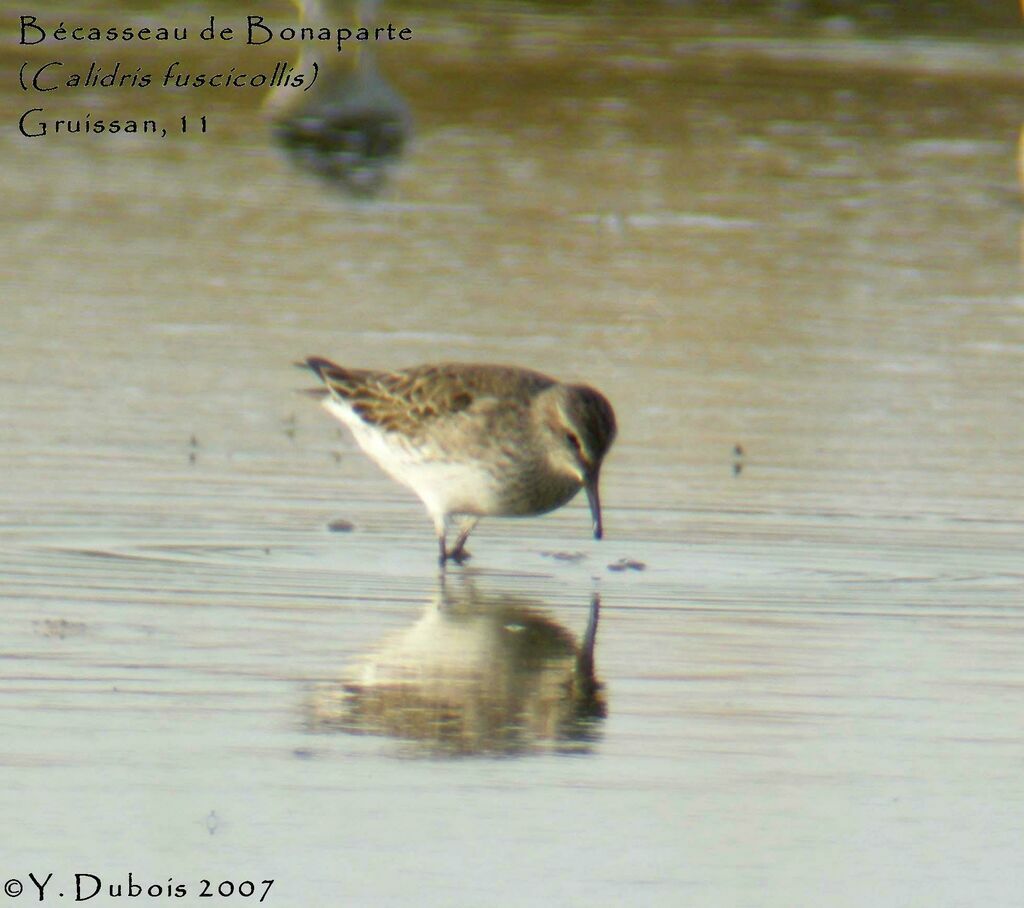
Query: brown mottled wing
(410, 400)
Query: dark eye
(574, 442)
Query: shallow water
(802, 244)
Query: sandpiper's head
(580, 424)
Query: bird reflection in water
(351, 125)
(488, 675)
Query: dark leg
(443, 551)
(459, 553)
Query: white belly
(444, 486)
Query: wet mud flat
(828, 677)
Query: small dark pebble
(564, 556)
(737, 453)
(627, 564)
(341, 526)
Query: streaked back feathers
(409, 400)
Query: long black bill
(595, 505)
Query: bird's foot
(458, 552)
(458, 556)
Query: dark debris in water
(341, 526)
(571, 557)
(627, 564)
(737, 459)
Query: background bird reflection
(352, 125)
